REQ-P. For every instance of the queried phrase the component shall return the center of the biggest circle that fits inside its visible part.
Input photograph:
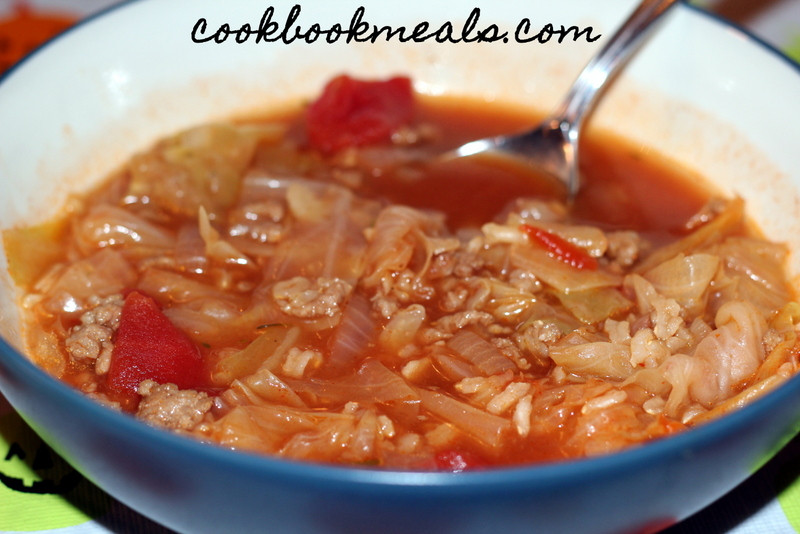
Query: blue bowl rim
(478, 482)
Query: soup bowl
(700, 93)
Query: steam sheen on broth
(318, 286)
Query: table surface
(768, 502)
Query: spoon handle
(626, 40)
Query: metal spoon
(553, 145)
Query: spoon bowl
(552, 147)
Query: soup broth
(321, 286)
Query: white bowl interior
(698, 92)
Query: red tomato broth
(621, 182)
(619, 178)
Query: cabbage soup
(315, 284)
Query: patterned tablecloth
(39, 492)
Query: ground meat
(105, 311)
(455, 262)
(445, 327)
(772, 338)
(92, 339)
(533, 343)
(467, 264)
(384, 304)
(409, 287)
(464, 295)
(301, 297)
(624, 248)
(91, 342)
(167, 406)
(454, 299)
(511, 351)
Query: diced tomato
(352, 112)
(560, 248)
(457, 461)
(149, 346)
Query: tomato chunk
(149, 346)
(560, 248)
(352, 112)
